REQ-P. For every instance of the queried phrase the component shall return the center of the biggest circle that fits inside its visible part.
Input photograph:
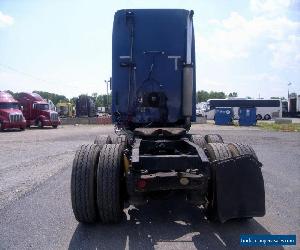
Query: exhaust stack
(188, 72)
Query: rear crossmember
(163, 155)
(167, 165)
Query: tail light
(141, 184)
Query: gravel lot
(35, 209)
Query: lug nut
(184, 181)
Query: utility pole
(107, 101)
(289, 84)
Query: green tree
(101, 100)
(202, 96)
(55, 98)
(73, 100)
(94, 95)
(216, 95)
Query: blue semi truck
(153, 155)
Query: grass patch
(292, 127)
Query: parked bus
(265, 108)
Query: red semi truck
(37, 111)
(10, 114)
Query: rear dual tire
(97, 184)
(215, 152)
(238, 149)
(199, 140)
(101, 140)
(213, 138)
(110, 139)
(219, 152)
(202, 141)
(222, 151)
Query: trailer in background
(85, 106)
(65, 109)
(294, 105)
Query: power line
(30, 75)
(23, 73)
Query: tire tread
(83, 186)
(109, 174)
(199, 140)
(213, 138)
(238, 149)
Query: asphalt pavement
(36, 213)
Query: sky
(64, 46)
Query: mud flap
(238, 189)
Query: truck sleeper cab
(10, 114)
(37, 111)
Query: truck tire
(199, 140)
(217, 151)
(54, 126)
(40, 124)
(1, 126)
(237, 149)
(110, 180)
(213, 138)
(258, 117)
(83, 183)
(267, 117)
(101, 140)
(119, 139)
